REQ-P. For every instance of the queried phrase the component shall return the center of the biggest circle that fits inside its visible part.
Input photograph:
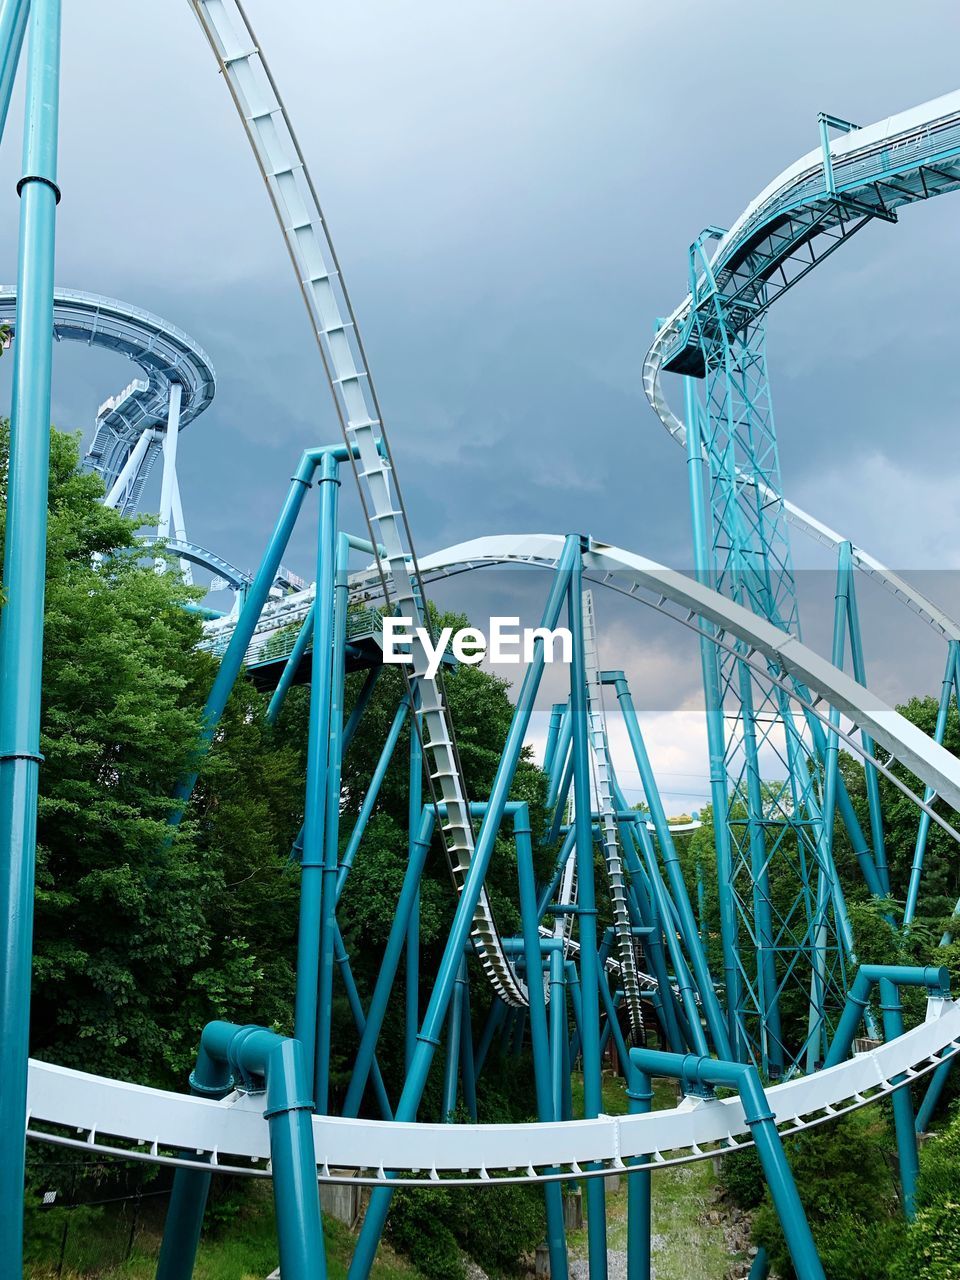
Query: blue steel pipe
(388, 966)
(934, 1089)
(372, 793)
(210, 1078)
(359, 1020)
(331, 828)
(919, 849)
(586, 917)
(451, 1064)
(639, 1206)
(292, 665)
(495, 1018)
(553, 735)
(321, 695)
(13, 26)
(539, 1034)
(558, 1031)
(429, 1034)
(468, 1071)
(903, 1119)
(703, 1074)
(259, 1060)
(697, 469)
(21, 621)
(412, 945)
(935, 979)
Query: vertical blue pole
(587, 920)
(558, 1031)
(468, 1072)
(539, 1035)
(640, 1096)
(412, 993)
(903, 1121)
(451, 1065)
(21, 622)
(916, 870)
(331, 827)
(311, 874)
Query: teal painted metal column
(639, 1227)
(916, 870)
(300, 646)
(260, 1061)
(451, 1064)
(429, 1034)
(311, 874)
(21, 622)
(706, 1074)
(539, 1033)
(412, 990)
(210, 1078)
(716, 736)
(331, 826)
(903, 1120)
(13, 25)
(586, 919)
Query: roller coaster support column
(388, 965)
(262, 1061)
(211, 1078)
(451, 1064)
(331, 830)
(558, 1031)
(678, 888)
(539, 1033)
(412, 994)
(916, 870)
(170, 441)
(586, 919)
(300, 646)
(710, 666)
(890, 978)
(306, 1002)
(707, 1074)
(13, 25)
(639, 1098)
(429, 1034)
(21, 622)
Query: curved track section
(112, 1116)
(165, 354)
(806, 212)
(293, 195)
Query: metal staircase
(608, 823)
(298, 211)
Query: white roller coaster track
(111, 1117)
(906, 134)
(293, 196)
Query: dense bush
(844, 1177)
(495, 1228)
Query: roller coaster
(261, 1104)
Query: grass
(685, 1245)
(246, 1250)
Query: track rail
(110, 1117)
(911, 156)
(293, 196)
(165, 354)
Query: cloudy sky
(512, 186)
